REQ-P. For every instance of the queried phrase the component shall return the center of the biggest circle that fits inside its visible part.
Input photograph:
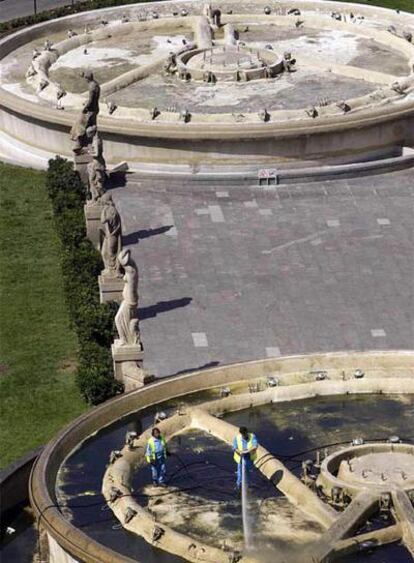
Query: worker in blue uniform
(245, 451)
(156, 455)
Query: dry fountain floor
(236, 273)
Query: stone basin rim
(43, 476)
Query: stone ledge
(127, 352)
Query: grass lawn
(405, 5)
(38, 393)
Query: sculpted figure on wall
(81, 136)
(288, 62)
(96, 171)
(91, 107)
(126, 319)
(84, 128)
(112, 237)
(170, 65)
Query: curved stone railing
(42, 485)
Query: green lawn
(405, 5)
(37, 347)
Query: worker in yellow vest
(156, 454)
(245, 450)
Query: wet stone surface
(200, 498)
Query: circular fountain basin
(350, 99)
(72, 468)
(229, 63)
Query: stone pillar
(110, 288)
(93, 222)
(128, 365)
(81, 165)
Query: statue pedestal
(81, 165)
(93, 222)
(110, 288)
(128, 366)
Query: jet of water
(247, 530)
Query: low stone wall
(14, 481)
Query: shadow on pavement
(135, 237)
(162, 307)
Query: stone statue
(31, 71)
(126, 319)
(84, 128)
(91, 107)
(170, 65)
(112, 236)
(80, 135)
(96, 171)
(288, 62)
(209, 77)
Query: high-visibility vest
(253, 455)
(151, 444)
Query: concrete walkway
(10, 9)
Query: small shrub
(94, 383)
(81, 265)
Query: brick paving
(248, 273)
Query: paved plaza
(231, 274)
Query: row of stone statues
(119, 265)
(119, 278)
(85, 139)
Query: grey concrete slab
(283, 281)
